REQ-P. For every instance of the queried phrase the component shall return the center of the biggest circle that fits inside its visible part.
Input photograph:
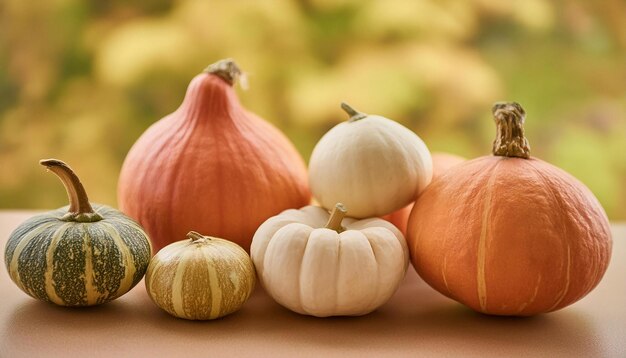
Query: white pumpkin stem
(353, 113)
(80, 208)
(226, 69)
(336, 217)
(510, 140)
(195, 236)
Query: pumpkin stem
(226, 69)
(510, 140)
(336, 217)
(195, 236)
(80, 209)
(353, 113)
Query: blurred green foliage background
(81, 80)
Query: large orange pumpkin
(211, 166)
(441, 163)
(509, 234)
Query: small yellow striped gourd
(200, 278)
(77, 255)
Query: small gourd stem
(195, 236)
(353, 113)
(510, 140)
(336, 217)
(80, 209)
(226, 69)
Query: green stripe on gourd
(78, 255)
(201, 278)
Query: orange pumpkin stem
(226, 69)
(195, 236)
(80, 209)
(336, 217)
(510, 140)
(353, 113)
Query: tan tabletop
(416, 322)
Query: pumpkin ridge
(272, 242)
(127, 261)
(140, 168)
(89, 284)
(165, 298)
(12, 256)
(433, 192)
(532, 298)
(375, 297)
(482, 240)
(252, 143)
(218, 178)
(384, 136)
(419, 161)
(567, 280)
(242, 288)
(337, 273)
(137, 244)
(153, 268)
(300, 279)
(233, 258)
(216, 290)
(565, 233)
(252, 280)
(177, 296)
(23, 244)
(599, 272)
(110, 274)
(48, 276)
(293, 186)
(68, 263)
(182, 143)
(444, 267)
(23, 231)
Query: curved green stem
(80, 209)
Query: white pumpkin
(308, 262)
(371, 164)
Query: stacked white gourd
(322, 264)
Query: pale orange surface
(417, 321)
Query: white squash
(200, 278)
(371, 164)
(308, 262)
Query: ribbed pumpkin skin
(509, 236)
(316, 271)
(200, 281)
(213, 166)
(372, 165)
(441, 163)
(48, 258)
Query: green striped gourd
(200, 278)
(77, 255)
